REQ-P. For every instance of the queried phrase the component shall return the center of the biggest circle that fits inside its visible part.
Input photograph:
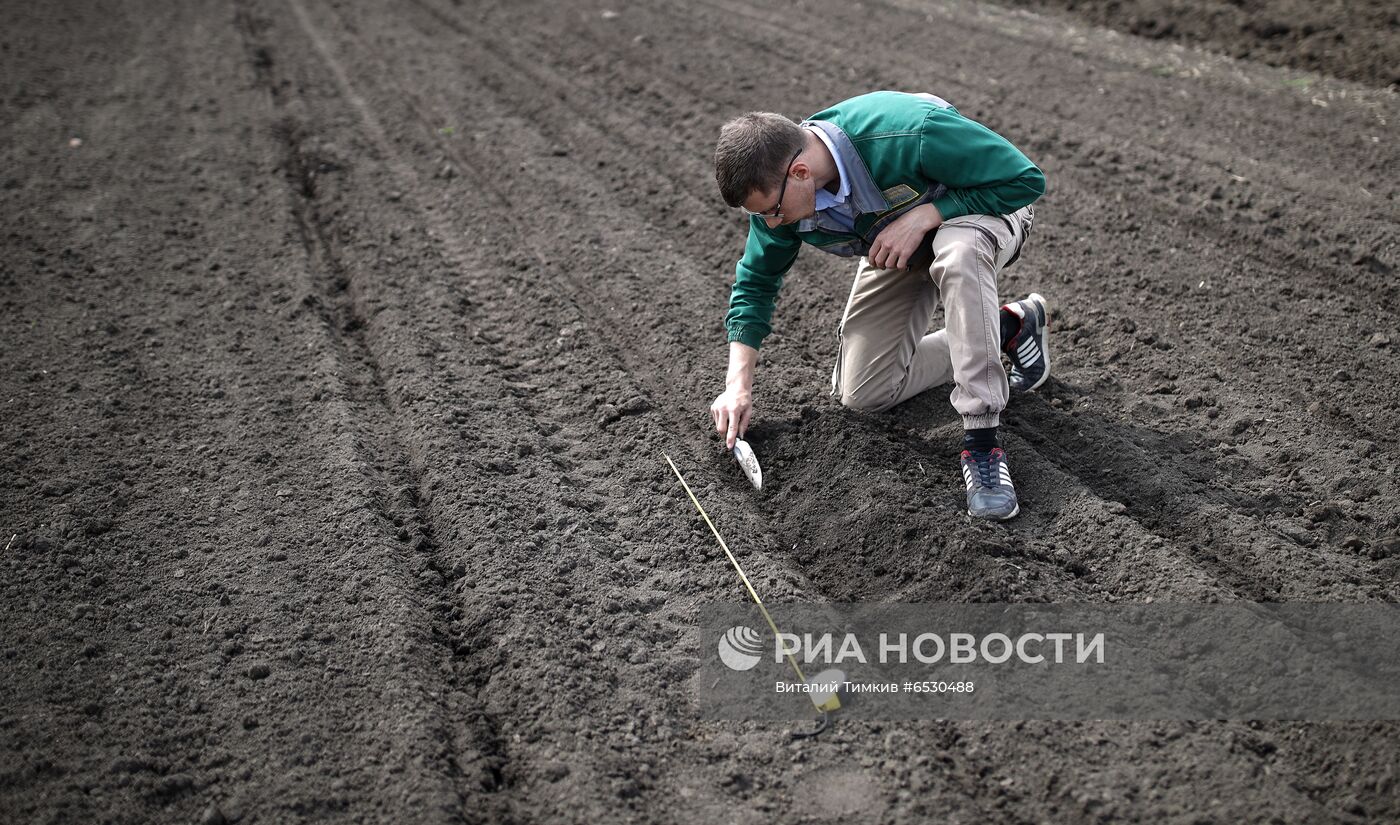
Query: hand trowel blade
(748, 462)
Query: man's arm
(768, 255)
(984, 173)
(731, 410)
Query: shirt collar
(865, 196)
(825, 199)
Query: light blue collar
(855, 177)
(823, 198)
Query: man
(935, 205)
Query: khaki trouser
(886, 358)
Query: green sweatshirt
(900, 150)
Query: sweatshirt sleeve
(768, 255)
(984, 173)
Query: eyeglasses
(776, 212)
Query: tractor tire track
(477, 752)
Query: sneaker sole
(1009, 515)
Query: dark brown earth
(342, 342)
(1353, 39)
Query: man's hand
(898, 242)
(733, 407)
(731, 411)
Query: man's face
(798, 197)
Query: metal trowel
(748, 462)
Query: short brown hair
(751, 151)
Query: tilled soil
(344, 341)
(1353, 39)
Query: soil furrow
(477, 750)
(599, 117)
(476, 758)
(589, 305)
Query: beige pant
(886, 358)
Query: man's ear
(801, 170)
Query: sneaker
(990, 493)
(1029, 348)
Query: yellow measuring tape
(831, 703)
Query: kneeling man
(934, 205)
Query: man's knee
(866, 399)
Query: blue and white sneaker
(1029, 348)
(990, 493)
